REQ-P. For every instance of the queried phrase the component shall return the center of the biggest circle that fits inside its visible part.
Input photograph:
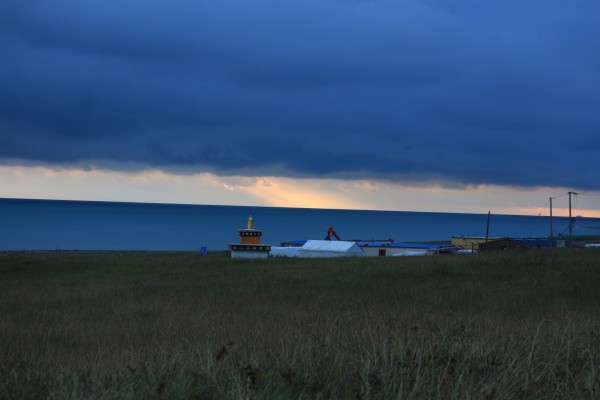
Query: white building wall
(249, 254)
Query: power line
(542, 208)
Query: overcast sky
(453, 95)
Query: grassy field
(176, 325)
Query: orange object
(250, 239)
(331, 233)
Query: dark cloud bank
(401, 90)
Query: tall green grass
(177, 325)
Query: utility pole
(487, 230)
(570, 219)
(551, 233)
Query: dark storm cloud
(461, 92)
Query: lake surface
(88, 225)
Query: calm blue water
(77, 225)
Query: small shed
(329, 248)
(471, 242)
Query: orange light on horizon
(284, 192)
